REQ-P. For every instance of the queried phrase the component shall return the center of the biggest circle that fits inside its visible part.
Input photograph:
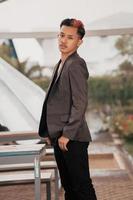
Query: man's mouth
(63, 46)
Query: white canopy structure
(117, 24)
(41, 18)
(20, 101)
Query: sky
(43, 14)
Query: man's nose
(64, 39)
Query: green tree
(125, 45)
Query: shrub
(123, 125)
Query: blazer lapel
(52, 79)
(63, 66)
(58, 75)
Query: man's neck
(65, 56)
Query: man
(63, 122)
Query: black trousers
(74, 171)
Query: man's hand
(47, 140)
(62, 141)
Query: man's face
(68, 40)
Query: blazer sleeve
(78, 75)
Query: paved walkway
(111, 172)
(106, 189)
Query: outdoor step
(26, 177)
(46, 165)
(43, 164)
(23, 176)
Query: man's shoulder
(75, 58)
(78, 63)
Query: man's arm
(78, 76)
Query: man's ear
(79, 42)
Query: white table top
(12, 150)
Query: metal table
(13, 154)
(9, 136)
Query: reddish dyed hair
(74, 23)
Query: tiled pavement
(109, 185)
(115, 191)
(111, 181)
(107, 190)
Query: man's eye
(70, 38)
(61, 35)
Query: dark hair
(74, 23)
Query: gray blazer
(66, 101)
